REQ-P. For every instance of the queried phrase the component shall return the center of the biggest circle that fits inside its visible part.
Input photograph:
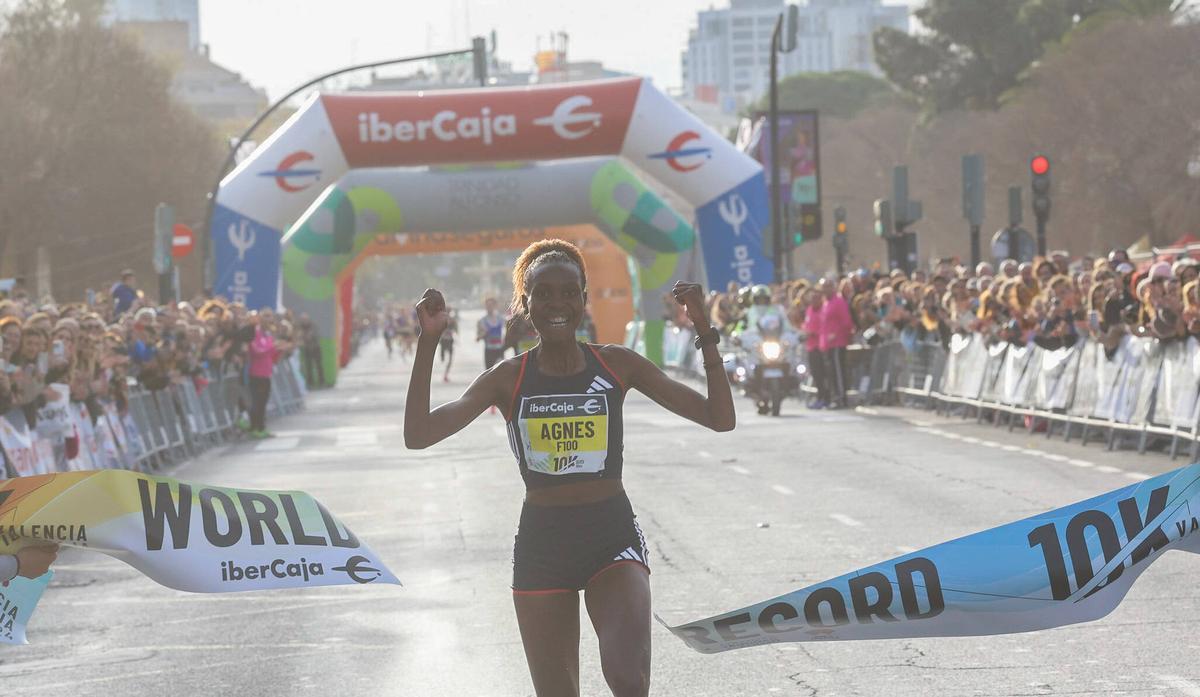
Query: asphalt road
(835, 490)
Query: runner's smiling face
(555, 300)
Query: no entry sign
(183, 240)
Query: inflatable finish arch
(337, 229)
(333, 134)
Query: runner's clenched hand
(32, 562)
(431, 314)
(691, 296)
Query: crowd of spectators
(118, 338)
(1052, 301)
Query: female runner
(562, 401)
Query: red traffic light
(1040, 164)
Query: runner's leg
(618, 601)
(549, 625)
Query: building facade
(728, 54)
(169, 30)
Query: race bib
(565, 434)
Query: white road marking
(704, 453)
(1108, 469)
(782, 489)
(1081, 463)
(846, 520)
(867, 410)
(989, 444)
(354, 400)
(1187, 687)
(919, 422)
(951, 436)
(1056, 458)
(346, 439)
(277, 444)
(1140, 476)
(1010, 448)
(740, 470)
(970, 439)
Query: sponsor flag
(191, 537)
(1069, 565)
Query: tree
(840, 94)
(975, 52)
(92, 142)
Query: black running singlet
(567, 428)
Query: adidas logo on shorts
(599, 384)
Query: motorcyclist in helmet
(762, 308)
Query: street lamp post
(773, 119)
(783, 40)
(478, 46)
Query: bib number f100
(565, 434)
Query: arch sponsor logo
(446, 126)
(681, 155)
(569, 124)
(292, 178)
(425, 128)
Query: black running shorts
(561, 548)
(492, 356)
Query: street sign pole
(164, 228)
(972, 185)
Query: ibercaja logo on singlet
(565, 433)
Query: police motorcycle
(765, 365)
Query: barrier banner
(53, 419)
(1069, 565)
(18, 444)
(190, 537)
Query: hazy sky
(278, 44)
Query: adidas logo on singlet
(599, 384)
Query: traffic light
(480, 59)
(883, 218)
(840, 241)
(1039, 166)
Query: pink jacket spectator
(262, 354)
(812, 328)
(836, 324)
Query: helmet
(760, 291)
(744, 296)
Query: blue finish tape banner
(1070, 565)
(17, 599)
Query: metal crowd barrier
(160, 427)
(1140, 388)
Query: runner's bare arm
(423, 428)
(714, 411)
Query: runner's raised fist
(431, 314)
(32, 562)
(691, 296)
